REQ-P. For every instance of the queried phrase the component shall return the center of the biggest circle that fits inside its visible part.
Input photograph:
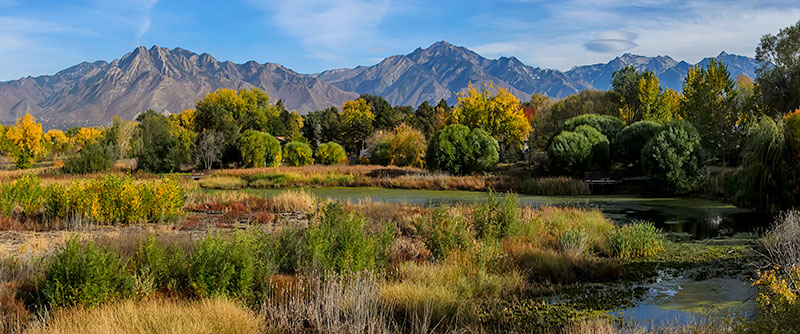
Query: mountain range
(171, 80)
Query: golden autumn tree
(26, 141)
(494, 110)
(56, 141)
(86, 136)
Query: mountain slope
(161, 79)
(442, 70)
(171, 80)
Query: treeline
(740, 123)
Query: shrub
(84, 275)
(330, 153)
(493, 218)
(298, 154)
(569, 152)
(92, 158)
(629, 142)
(556, 186)
(459, 150)
(403, 146)
(259, 149)
(164, 267)
(444, 232)
(341, 244)
(221, 267)
(674, 159)
(600, 147)
(28, 193)
(607, 125)
(635, 240)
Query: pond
(678, 217)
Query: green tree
(92, 158)
(674, 159)
(779, 71)
(629, 142)
(298, 154)
(424, 119)
(569, 152)
(625, 83)
(159, 150)
(548, 122)
(322, 126)
(459, 150)
(386, 117)
(766, 167)
(330, 153)
(609, 126)
(259, 149)
(710, 107)
(356, 119)
(600, 152)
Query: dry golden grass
(291, 201)
(212, 316)
(222, 182)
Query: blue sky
(42, 37)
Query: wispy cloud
(684, 29)
(328, 28)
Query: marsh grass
(556, 186)
(222, 182)
(337, 304)
(640, 239)
(153, 316)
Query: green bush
(284, 251)
(28, 194)
(165, 267)
(600, 147)
(340, 243)
(381, 155)
(609, 126)
(7, 201)
(493, 218)
(443, 232)
(330, 153)
(221, 267)
(569, 152)
(459, 150)
(629, 142)
(259, 149)
(483, 155)
(298, 154)
(556, 186)
(674, 159)
(635, 240)
(92, 158)
(84, 275)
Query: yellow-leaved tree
(496, 111)
(86, 136)
(56, 141)
(26, 141)
(356, 118)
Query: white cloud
(581, 32)
(328, 28)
